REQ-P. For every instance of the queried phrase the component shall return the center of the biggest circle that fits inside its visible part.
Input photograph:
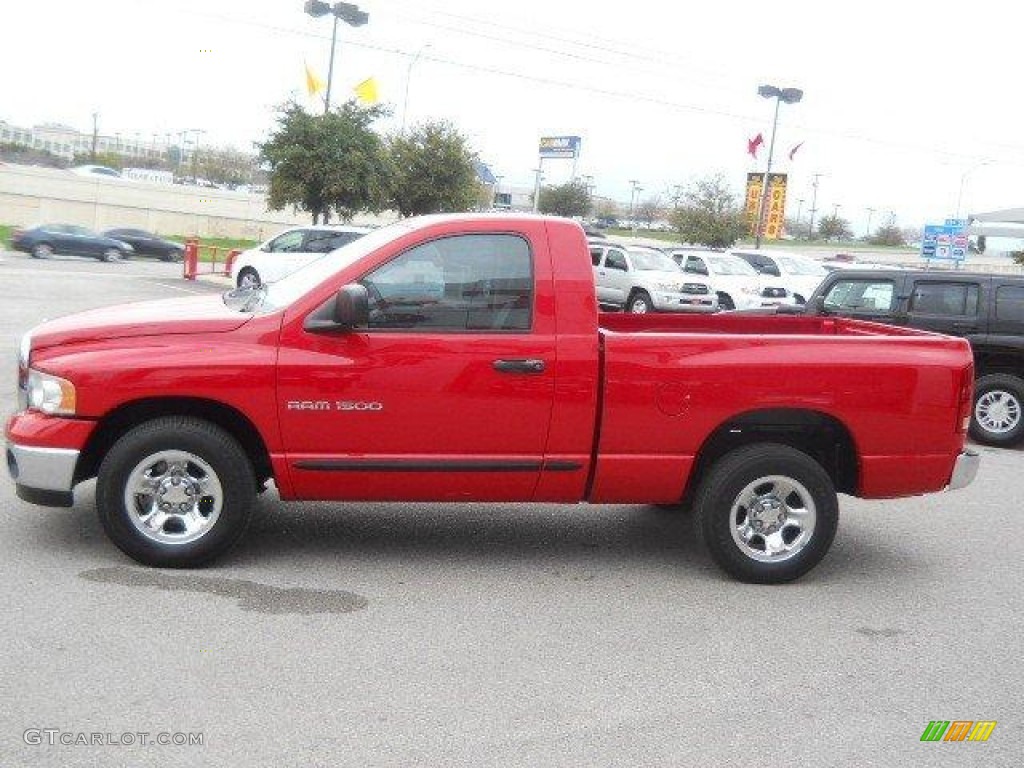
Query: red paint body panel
(619, 413)
(37, 430)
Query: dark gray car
(48, 239)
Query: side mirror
(352, 306)
(816, 306)
(347, 310)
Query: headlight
(50, 394)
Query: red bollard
(232, 255)
(190, 261)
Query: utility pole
(799, 210)
(632, 195)
(536, 185)
(867, 230)
(814, 203)
(95, 134)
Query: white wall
(31, 195)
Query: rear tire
(175, 492)
(111, 254)
(998, 414)
(768, 513)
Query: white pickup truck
(641, 280)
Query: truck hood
(195, 314)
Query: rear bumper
(965, 470)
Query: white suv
(640, 280)
(738, 285)
(288, 251)
(797, 273)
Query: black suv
(987, 310)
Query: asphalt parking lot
(533, 635)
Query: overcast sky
(903, 102)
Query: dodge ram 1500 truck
(462, 358)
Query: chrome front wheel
(173, 497)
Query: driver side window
(460, 283)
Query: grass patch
(219, 242)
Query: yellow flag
(367, 91)
(313, 83)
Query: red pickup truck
(462, 358)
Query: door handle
(519, 366)
(965, 326)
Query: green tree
(709, 215)
(649, 210)
(324, 164)
(834, 227)
(569, 199)
(888, 234)
(433, 171)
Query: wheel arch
(821, 436)
(129, 415)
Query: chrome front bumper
(42, 475)
(965, 469)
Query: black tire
(799, 299)
(725, 302)
(42, 251)
(734, 478)
(997, 417)
(230, 503)
(251, 274)
(110, 254)
(639, 303)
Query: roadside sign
(560, 146)
(945, 242)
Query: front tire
(768, 513)
(42, 251)
(175, 492)
(111, 254)
(249, 278)
(998, 414)
(725, 302)
(640, 303)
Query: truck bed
(674, 382)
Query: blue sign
(560, 146)
(945, 242)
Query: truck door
(946, 305)
(615, 277)
(447, 395)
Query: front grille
(774, 293)
(695, 288)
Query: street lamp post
(790, 96)
(408, 78)
(963, 180)
(351, 15)
(632, 195)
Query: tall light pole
(867, 229)
(790, 96)
(963, 179)
(348, 13)
(814, 206)
(408, 78)
(632, 195)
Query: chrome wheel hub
(998, 411)
(173, 497)
(772, 518)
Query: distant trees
(327, 164)
(570, 199)
(708, 214)
(649, 210)
(433, 171)
(834, 227)
(888, 234)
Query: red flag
(794, 149)
(754, 144)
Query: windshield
(797, 266)
(292, 287)
(729, 265)
(652, 261)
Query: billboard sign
(945, 242)
(560, 147)
(774, 218)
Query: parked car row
(49, 239)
